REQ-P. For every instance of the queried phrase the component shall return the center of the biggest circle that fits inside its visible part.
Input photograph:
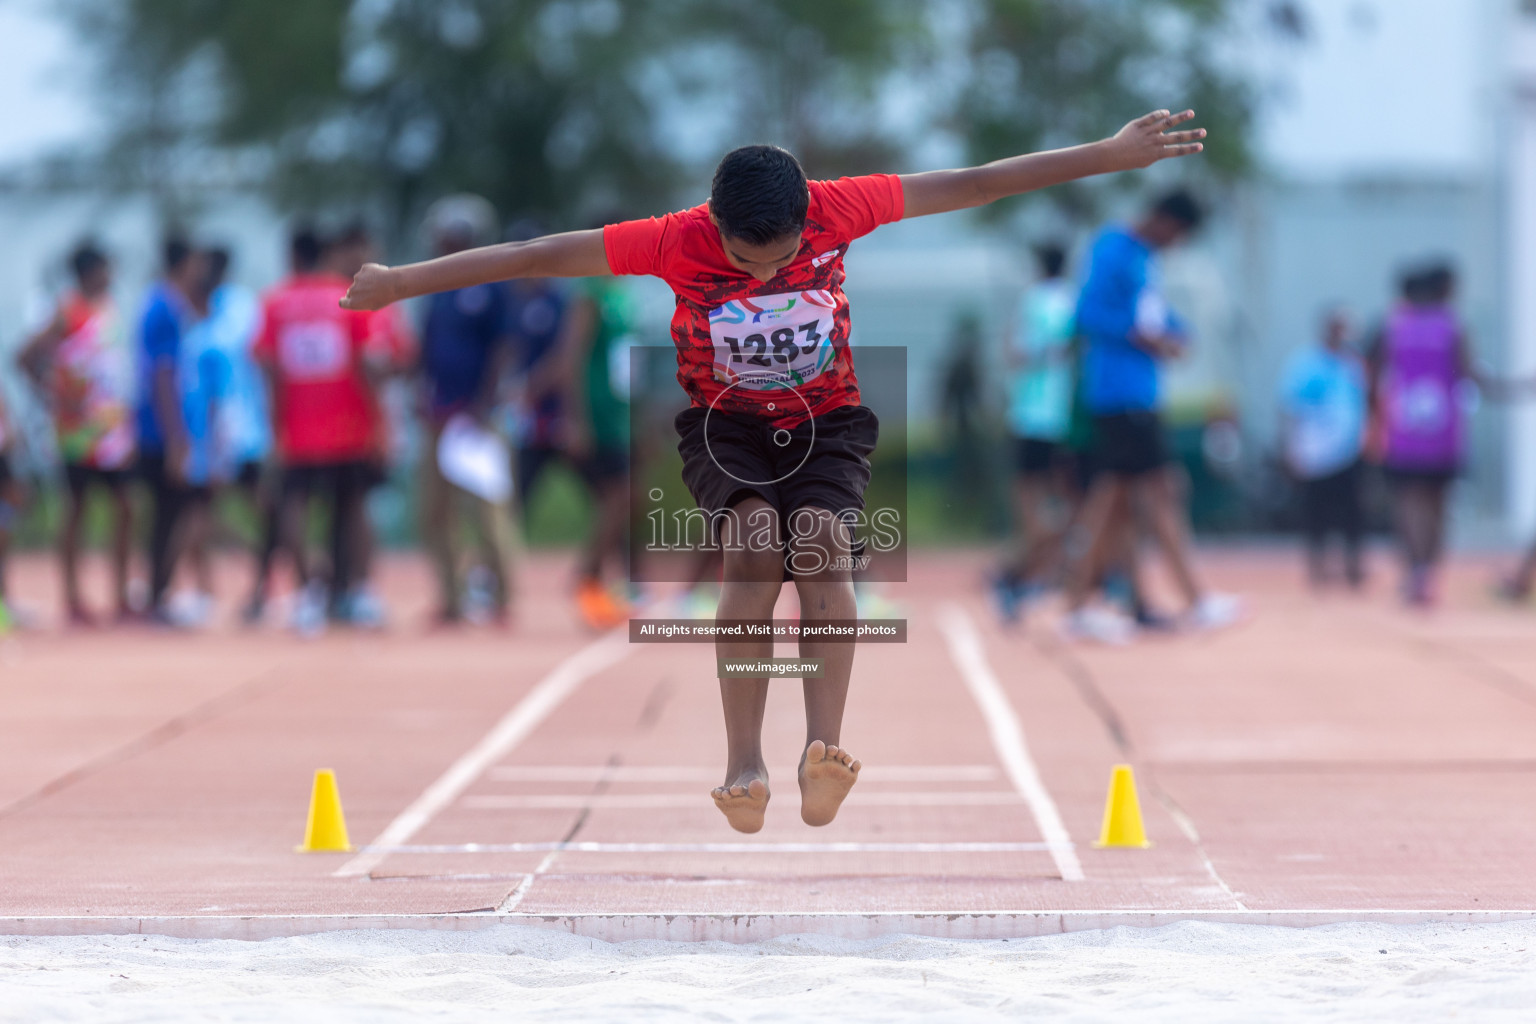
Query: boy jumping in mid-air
(776, 445)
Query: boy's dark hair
(175, 253)
(305, 248)
(1180, 206)
(759, 195)
(1051, 258)
(86, 260)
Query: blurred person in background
(322, 417)
(1419, 363)
(1040, 360)
(389, 354)
(162, 432)
(961, 411)
(81, 363)
(1129, 330)
(599, 330)
(543, 338)
(466, 349)
(216, 407)
(10, 512)
(1323, 406)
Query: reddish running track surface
(1332, 758)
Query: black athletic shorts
(1129, 443)
(1440, 475)
(603, 464)
(1034, 457)
(78, 477)
(353, 476)
(821, 463)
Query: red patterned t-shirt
(778, 350)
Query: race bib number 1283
(771, 342)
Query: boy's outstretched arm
(1141, 143)
(573, 254)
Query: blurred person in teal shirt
(1040, 389)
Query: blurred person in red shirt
(323, 415)
(388, 355)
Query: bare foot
(826, 776)
(743, 801)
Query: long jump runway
(1332, 759)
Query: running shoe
(1419, 588)
(255, 610)
(479, 601)
(1100, 626)
(598, 607)
(308, 616)
(191, 609)
(362, 608)
(1008, 596)
(1149, 621)
(1213, 612)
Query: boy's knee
(757, 564)
(819, 545)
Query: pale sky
(1380, 86)
(40, 77)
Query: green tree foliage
(1047, 73)
(561, 109)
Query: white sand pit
(1188, 973)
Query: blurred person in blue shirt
(538, 318)
(218, 399)
(465, 352)
(1323, 399)
(1039, 418)
(1128, 330)
(163, 447)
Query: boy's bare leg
(1160, 495)
(751, 588)
(827, 772)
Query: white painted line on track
(630, 801)
(700, 773)
(515, 897)
(599, 847)
(528, 714)
(1007, 733)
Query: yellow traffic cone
(1122, 812)
(326, 831)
